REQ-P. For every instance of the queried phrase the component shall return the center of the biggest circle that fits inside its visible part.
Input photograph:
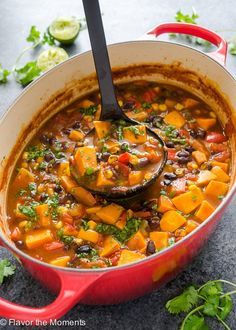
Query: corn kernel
(148, 176)
(25, 155)
(162, 107)
(114, 150)
(24, 165)
(192, 166)
(179, 172)
(40, 188)
(120, 102)
(129, 214)
(179, 106)
(155, 106)
(58, 225)
(108, 174)
(112, 159)
(88, 118)
(50, 191)
(133, 160)
(22, 224)
(39, 160)
(78, 241)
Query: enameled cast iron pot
(202, 74)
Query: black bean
(76, 125)
(154, 223)
(84, 249)
(209, 167)
(170, 176)
(170, 144)
(70, 197)
(183, 153)
(143, 162)
(66, 131)
(19, 244)
(128, 105)
(157, 121)
(103, 156)
(57, 162)
(166, 182)
(190, 149)
(52, 140)
(43, 197)
(150, 248)
(124, 146)
(183, 160)
(193, 133)
(44, 139)
(201, 133)
(58, 189)
(48, 157)
(195, 171)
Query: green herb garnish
(67, 240)
(89, 171)
(208, 300)
(6, 269)
(27, 73)
(90, 111)
(4, 73)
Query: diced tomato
(184, 133)
(217, 147)
(137, 105)
(124, 158)
(53, 246)
(70, 230)
(215, 137)
(66, 217)
(142, 214)
(149, 95)
(171, 154)
(154, 157)
(124, 169)
(114, 258)
(221, 156)
(16, 234)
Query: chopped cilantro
(90, 111)
(6, 269)
(89, 171)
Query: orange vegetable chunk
(68, 183)
(137, 242)
(174, 118)
(188, 201)
(43, 213)
(160, 239)
(103, 181)
(84, 196)
(216, 188)
(60, 261)
(102, 128)
(220, 174)
(23, 178)
(85, 158)
(165, 204)
(206, 123)
(126, 257)
(110, 245)
(224, 166)
(204, 211)
(135, 138)
(110, 213)
(199, 156)
(37, 238)
(135, 177)
(171, 221)
(88, 235)
(205, 177)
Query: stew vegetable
(53, 218)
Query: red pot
(116, 284)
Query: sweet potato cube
(23, 178)
(135, 134)
(43, 214)
(199, 156)
(110, 245)
(174, 118)
(68, 183)
(190, 226)
(204, 211)
(92, 224)
(86, 104)
(188, 201)
(38, 238)
(85, 158)
(102, 128)
(112, 146)
(77, 210)
(121, 223)
(190, 103)
(220, 175)
(64, 169)
(135, 178)
(88, 235)
(102, 181)
(206, 123)
(60, 261)
(216, 188)
(224, 166)
(165, 204)
(127, 257)
(139, 116)
(110, 213)
(160, 239)
(76, 135)
(137, 242)
(93, 210)
(205, 177)
(171, 221)
(84, 196)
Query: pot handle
(194, 30)
(70, 293)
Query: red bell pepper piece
(215, 137)
(221, 156)
(148, 96)
(53, 246)
(124, 158)
(171, 154)
(142, 214)
(124, 169)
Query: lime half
(65, 29)
(51, 57)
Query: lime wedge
(65, 29)
(51, 57)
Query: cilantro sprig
(6, 269)
(209, 300)
(4, 73)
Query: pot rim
(227, 199)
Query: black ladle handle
(110, 106)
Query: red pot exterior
(117, 284)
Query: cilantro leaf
(27, 73)
(195, 322)
(211, 305)
(34, 35)
(211, 289)
(6, 269)
(226, 305)
(186, 18)
(232, 47)
(48, 39)
(184, 302)
(4, 73)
